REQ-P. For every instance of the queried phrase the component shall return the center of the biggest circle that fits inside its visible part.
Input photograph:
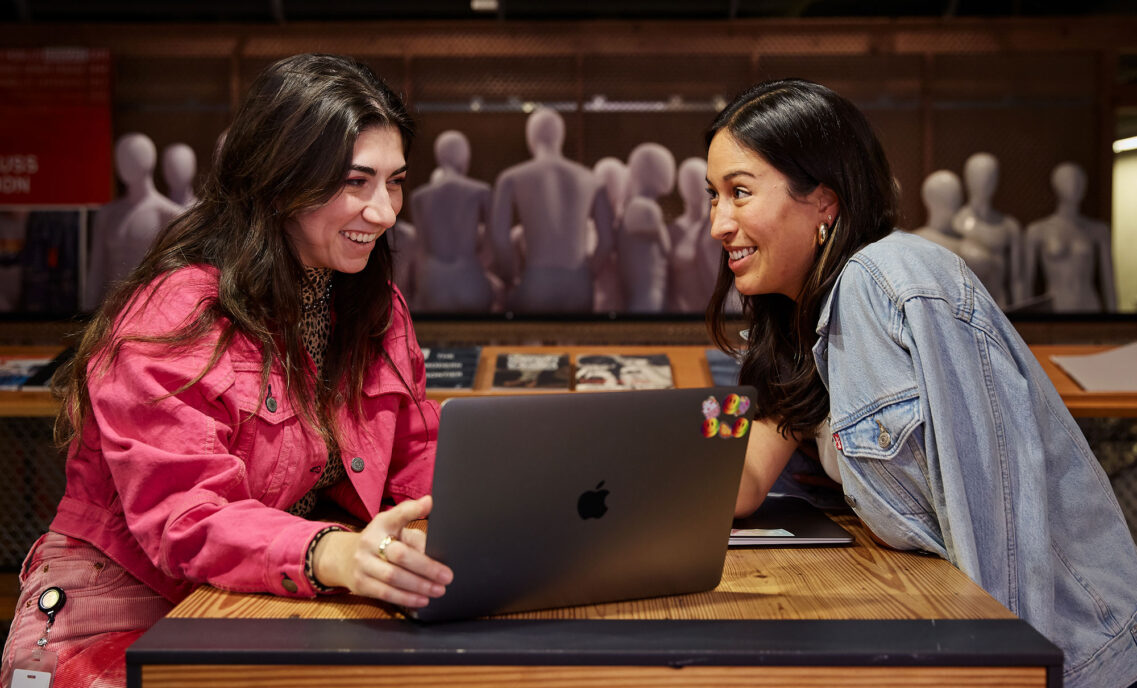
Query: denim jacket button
(270, 404)
(288, 584)
(357, 464)
(851, 501)
(885, 439)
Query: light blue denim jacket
(953, 440)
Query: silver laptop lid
(562, 499)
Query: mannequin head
(135, 157)
(1069, 183)
(981, 174)
(613, 174)
(452, 151)
(179, 165)
(545, 131)
(692, 181)
(942, 193)
(651, 168)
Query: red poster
(55, 127)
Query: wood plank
(31, 404)
(186, 676)
(518, 38)
(1080, 402)
(864, 581)
(688, 366)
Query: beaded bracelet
(309, 564)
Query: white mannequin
(991, 242)
(694, 261)
(405, 256)
(553, 199)
(1073, 250)
(450, 212)
(608, 295)
(125, 227)
(179, 165)
(942, 193)
(643, 241)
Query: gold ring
(382, 552)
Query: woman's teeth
(740, 253)
(361, 237)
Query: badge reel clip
(36, 668)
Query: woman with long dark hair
(928, 408)
(256, 371)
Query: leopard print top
(316, 328)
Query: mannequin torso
(691, 276)
(450, 212)
(553, 199)
(608, 293)
(125, 227)
(990, 241)
(1073, 250)
(644, 242)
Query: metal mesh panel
(1114, 441)
(32, 485)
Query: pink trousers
(106, 610)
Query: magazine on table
(599, 372)
(451, 367)
(522, 371)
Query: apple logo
(591, 503)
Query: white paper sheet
(1109, 371)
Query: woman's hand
(385, 560)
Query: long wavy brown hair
(288, 149)
(812, 136)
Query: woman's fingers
(395, 574)
(406, 557)
(392, 562)
(415, 539)
(394, 520)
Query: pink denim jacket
(190, 487)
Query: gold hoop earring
(822, 233)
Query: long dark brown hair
(288, 150)
(812, 136)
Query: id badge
(33, 668)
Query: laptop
(554, 500)
(787, 521)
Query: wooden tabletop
(818, 616)
(863, 581)
(688, 364)
(1080, 402)
(28, 404)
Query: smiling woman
(927, 407)
(256, 369)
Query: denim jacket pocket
(881, 431)
(883, 447)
